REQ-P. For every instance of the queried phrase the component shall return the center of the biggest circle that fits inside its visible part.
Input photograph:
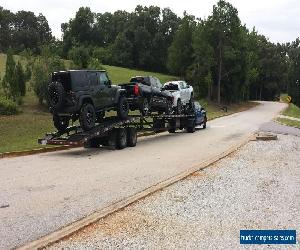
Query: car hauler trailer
(116, 133)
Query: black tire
(122, 108)
(191, 128)
(121, 138)
(92, 143)
(131, 137)
(168, 110)
(56, 96)
(145, 107)
(179, 107)
(204, 123)
(87, 117)
(100, 116)
(172, 127)
(61, 123)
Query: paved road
(47, 191)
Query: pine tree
(10, 81)
(20, 79)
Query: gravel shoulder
(258, 187)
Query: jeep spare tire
(87, 116)
(56, 95)
(123, 108)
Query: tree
(43, 66)
(6, 21)
(225, 29)
(181, 50)
(10, 83)
(80, 56)
(20, 79)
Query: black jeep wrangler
(84, 95)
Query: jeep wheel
(87, 117)
(121, 138)
(191, 128)
(61, 123)
(145, 107)
(123, 108)
(56, 96)
(131, 137)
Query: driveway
(42, 193)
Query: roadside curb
(33, 151)
(76, 226)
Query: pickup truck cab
(145, 94)
(182, 94)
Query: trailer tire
(61, 123)
(191, 128)
(121, 138)
(92, 143)
(131, 137)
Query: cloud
(277, 19)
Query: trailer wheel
(92, 143)
(172, 127)
(191, 128)
(131, 137)
(121, 138)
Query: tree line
(223, 59)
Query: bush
(8, 107)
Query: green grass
(292, 110)
(289, 122)
(214, 111)
(123, 75)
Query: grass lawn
(292, 110)
(214, 111)
(289, 122)
(123, 75)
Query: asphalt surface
(42, 193)
(257, 187)
(277, 128)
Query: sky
(279, 20)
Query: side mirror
(187, 86)
(109, 83)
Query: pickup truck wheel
(145, 107)
(204, 123)
(123, 108)
(169, 107)
(56, 95)
(121, 138)
(61, 123)
(87, 117)
(131, 137)
(179, 107)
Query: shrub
(8, 107)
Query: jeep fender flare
(85, 99)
